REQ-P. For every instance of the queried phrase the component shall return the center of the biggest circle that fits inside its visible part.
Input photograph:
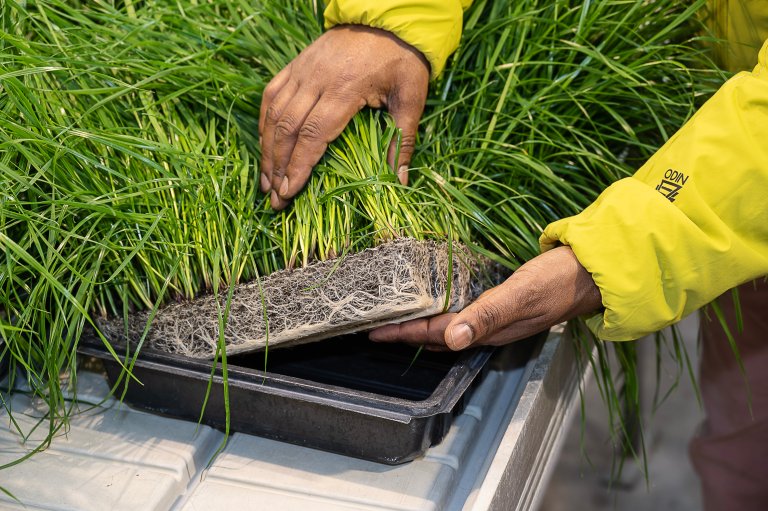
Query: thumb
(486, 315)
(406, 116)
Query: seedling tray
(346, 395)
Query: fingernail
(284, 188)
(264, 183)
(402, 173)
(274, 199)
(374, 336)
(461, 336)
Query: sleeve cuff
(652, 263)
(431, 26)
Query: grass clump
(129, 162)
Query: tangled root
(397, 281)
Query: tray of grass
(130, 175)
(380, 402)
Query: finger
(420, 331)
(327, 120)
(271, 115)
(287, 128)
(492, 312)
(406, 113)
(439, 348)
(435, 348)
(514, 332)
(270, 92)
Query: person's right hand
(550, 288)
(308, 103)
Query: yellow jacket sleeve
(431, 26)
(689, 225)
(740, 28)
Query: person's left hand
(308, 104)
(549, 289)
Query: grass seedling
(129, 154)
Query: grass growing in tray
(129, 161)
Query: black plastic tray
(344, 395)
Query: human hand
(549, 289)
(308, 103)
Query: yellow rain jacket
(692, 222)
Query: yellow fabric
(742, 25)
(689, 225)
(431, 26)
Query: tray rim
(443, 399)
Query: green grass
(129, 155)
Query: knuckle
(312, 129)
(270, 91)
(277, 83)
(273, 114)
(490, 317)
(407, 143)
(285, 126)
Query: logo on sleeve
(672, 183)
